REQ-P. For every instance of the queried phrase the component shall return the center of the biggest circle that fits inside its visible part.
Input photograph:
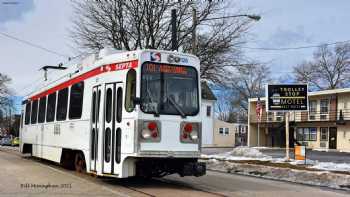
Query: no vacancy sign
(287, 97)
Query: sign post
(258, 113)
(286, 98)
(287, 135)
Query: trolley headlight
(189, 132)
(145, 134)
(194, 136)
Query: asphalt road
(26, 176)
(337, 157)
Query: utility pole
(194, 27)
(173, 30)
(9, 120)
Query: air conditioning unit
(312, 117)
(278, 118)
(323, 144)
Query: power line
(34, 45)
(294, 48)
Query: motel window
(324, 106)
(324, 133)
(130, 90)
(76, 100)
(312, 106)
(300, 134)
(307, 134)
(34, 115)
(313, 134)
(208, 111)
(221, 131)
(51, 106)
(42, 109)
(280, 114)
(62, 103)
(27, 115)
(227, 131)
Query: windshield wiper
(177, 107)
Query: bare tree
(144, 24)
(248, 82)
(329, 69)
(5, 93)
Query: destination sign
(287, 97)
(164, 68)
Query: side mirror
(136, 100)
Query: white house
(207, 110)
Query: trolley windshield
(169, 89)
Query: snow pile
(240, 153)
(330, 166)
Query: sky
(283, 24)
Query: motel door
(332, 138)
(95, 126)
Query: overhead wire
(294, 48)
(34, 45)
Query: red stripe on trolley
(89, 74)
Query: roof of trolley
(79, 66)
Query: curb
(315, 178)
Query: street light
(194, 21)
(253, 17)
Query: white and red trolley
(118, 114)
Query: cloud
(12, 10)
(46, 26)
(288, 37)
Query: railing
(338, 116)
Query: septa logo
(156, 57)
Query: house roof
(207, 94)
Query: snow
(240, 153)
(330, 166)
(247, 153)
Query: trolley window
(107, 145)
(22, 119)
(51, 106)
(27, 115)
(42, 109)
(62, 103)
(169, 89)
(76, 100)
(119, 104)
(93, 107)
(108, 113)
(34, 112)
(130, 90)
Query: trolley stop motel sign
(287, 97)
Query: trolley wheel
(79, 163)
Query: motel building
(325, 126)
